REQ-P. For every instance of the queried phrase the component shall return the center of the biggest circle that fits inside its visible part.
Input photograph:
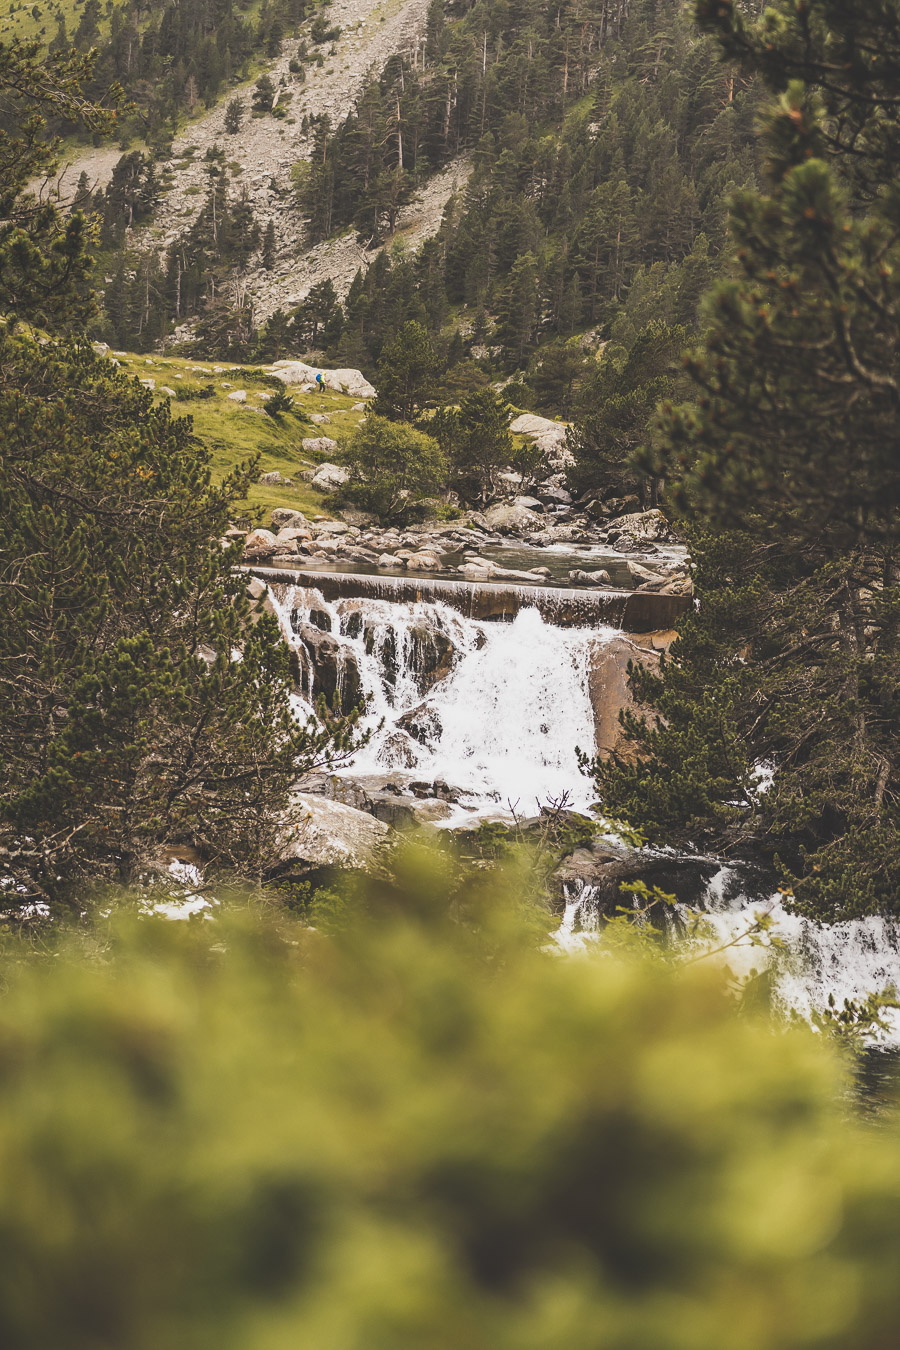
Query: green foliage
(44, 264)
(789, 443)
(603, 149)
(476, 439)
(142, 702)
(406, 374)
(234, 115)
(280, 402)
(425, 1133)
(392, 466)
(614, 406)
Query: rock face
(609, 692)
(327, 667)
(549, 436)
(327, 833)
(345, 381)
(328, 477)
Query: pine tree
(44, 264)
(125, 719)
(234, 116)
(793, 661)
(407, 372)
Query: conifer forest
(449, 674)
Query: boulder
(292, 534)
(642, 525)
(260, 544)
(344, 381)
(609, 691)
(239, 396)
(319, 445)
(580, 578)
(424, 562)
(530, 503)
(282, 517)
(387, 560)
(551, 495)
(274, 479)
(640, 575)
(328, 833)
(320, 419)
(328, 477)
(508, 518)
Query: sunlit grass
(234, 431)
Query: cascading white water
(503, 723)
(500, 720)
(809, 961)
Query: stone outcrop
(345, 381)
(325, 833)
(327, 667)
(328, 477)
(511, 518)
(548, 436)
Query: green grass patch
(234, 431)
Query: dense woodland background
(644, 179)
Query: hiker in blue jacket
(320, 382)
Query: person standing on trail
(320, 382)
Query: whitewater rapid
(502, 725)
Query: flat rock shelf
(572, 607)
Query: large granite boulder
(282, 517)
(327, 833)
(510, 518)
(644, 525)
(259, 544)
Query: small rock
(424, 562)
(580, 578)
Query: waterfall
(809, 961)
(806, 961)
(496, 710)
